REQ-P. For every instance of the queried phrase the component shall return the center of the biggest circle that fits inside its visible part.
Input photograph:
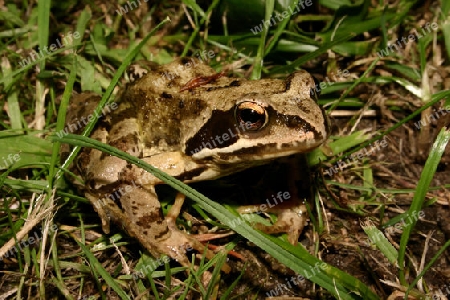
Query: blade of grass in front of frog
(338, 283)
(90, 125)
(426, 176)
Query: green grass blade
(62, 288)
(82, 23)
(61, 119)
(377, 237)
(105, 275)
(446, 31)
(428, 171)
(14, 114)
(281, 26)
(427, 267)
(258, 61)
(197, 28)
(195, 7)
(43, 25)
(5, 79)
(445, 24)
(310, 56)
(358, 81)
(297, 258)
(435, 98)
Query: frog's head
(268, 119)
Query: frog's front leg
(292, 214)
(148, 225)
(142, 218)
(291, 219)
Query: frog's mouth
(222, 163)
(257, 153)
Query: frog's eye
(252, 115)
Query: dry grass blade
(39, 210)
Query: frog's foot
(192, 242)
(142, 218)
(99, 206)
(291, 220)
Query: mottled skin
(171, 130)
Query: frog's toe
(99, 206)
(290, 222)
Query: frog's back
(169, 113)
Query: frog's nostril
(315, 92)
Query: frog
(195, 124)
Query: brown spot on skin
(147, 220)
(91, 184)
(125, 142)
(199, 106)
(210, 135)
(129, 113)
(104, 126)
(185, 60)
(194, 173)
(301, 105)
(104, 155)
(126, 175)
(295, 121)
(166, 95)
(288, 82)
(162, 233)
(84, 159)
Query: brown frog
(195, 125)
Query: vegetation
(377, 225)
